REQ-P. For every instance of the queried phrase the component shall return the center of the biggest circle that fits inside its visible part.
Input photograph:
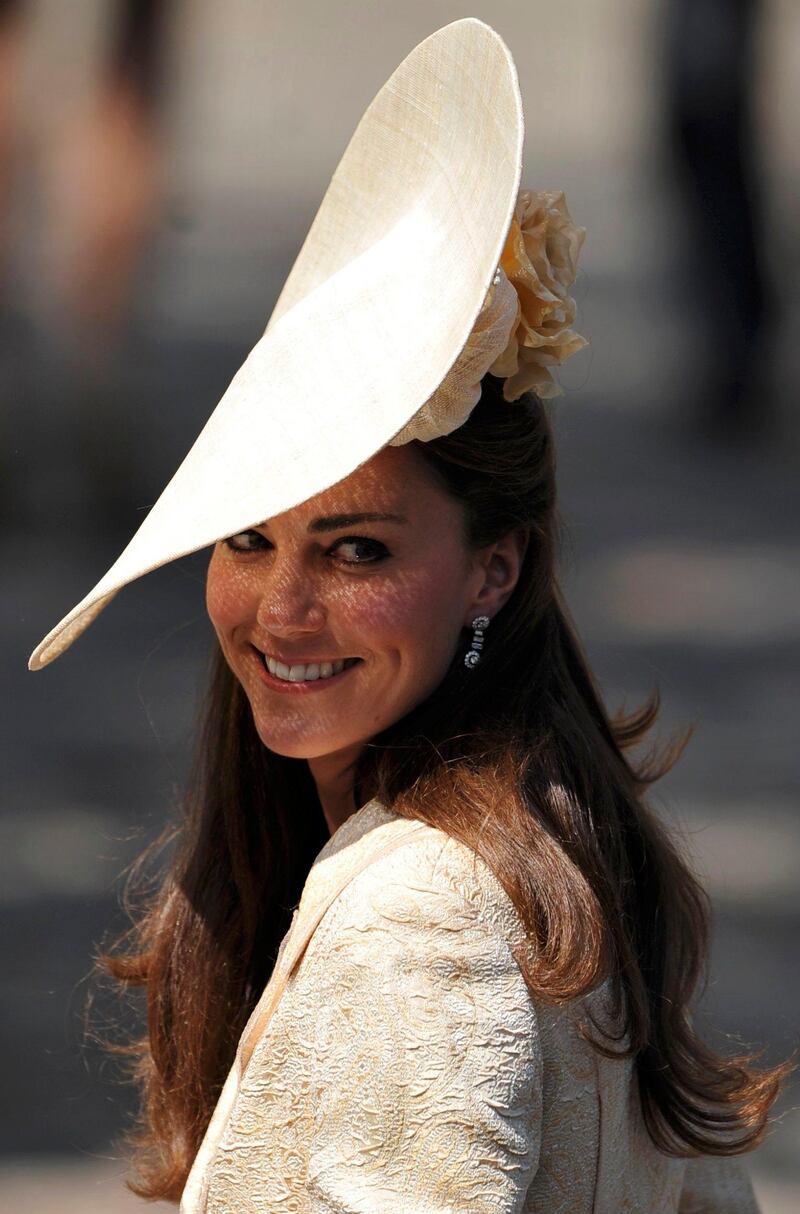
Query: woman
(482, 998)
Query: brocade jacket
(396, 1062)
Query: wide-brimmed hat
(401, 298)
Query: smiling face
(314, 586)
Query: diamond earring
(473, 656)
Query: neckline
(356, 825)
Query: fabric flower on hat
(460, 390)
(540, 260)
(523, 327)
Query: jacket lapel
(369, 833)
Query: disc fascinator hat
(425, 267)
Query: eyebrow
(335, 522)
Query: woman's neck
(333, 776)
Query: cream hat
(424, 268)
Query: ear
(497, 569)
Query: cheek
(419, 615)
(229, 601)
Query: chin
(301, 748)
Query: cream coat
(396, 1063)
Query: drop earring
(473, 656)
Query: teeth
(299, 673)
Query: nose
(289, 605)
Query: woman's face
(317, 585)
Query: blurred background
(160, 163)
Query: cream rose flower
(540, 260)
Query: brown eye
(376, 551)
(246, 541)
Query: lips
(300, 672)
(306, 674)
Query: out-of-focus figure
(710, 123)
(11, 41)
(105, 193)
(103, 182)
(100, 192)
(106, 174)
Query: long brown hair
(517, 758)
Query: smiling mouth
(304, 672)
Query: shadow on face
(376, 569)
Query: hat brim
(377, 307)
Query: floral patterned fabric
(406, 1068)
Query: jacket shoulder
(427, 870)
